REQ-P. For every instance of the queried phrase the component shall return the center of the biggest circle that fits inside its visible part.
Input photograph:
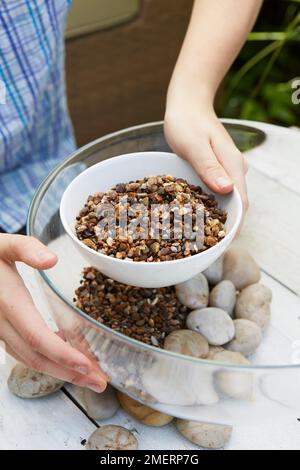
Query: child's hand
(195, 133)
(23, 330)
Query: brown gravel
(147, 315)
(145, 244)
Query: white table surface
(57, 422)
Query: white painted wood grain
(272, 226)
(272, 229)
(278, 157)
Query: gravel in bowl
(153, 219)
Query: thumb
(29, 250)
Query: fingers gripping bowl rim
(103, 176)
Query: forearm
(216, 33)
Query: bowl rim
(44, 185)
(150, 266)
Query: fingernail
(223, 182)
(82, 370)
(96, 379)
(45, 255)
(96, 387)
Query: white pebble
(247, 338)
(28, 383)
(143, 413)
(112, 437)
(213, 350)
(187, 342)
(223, 296)
(229, 357)
(240, 267)
(213, 323)
(100, 405)
(236, 384)
(175, 383)
(193, 293)
(209, 436)
(214, 272)
(254, 304)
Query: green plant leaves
(259, 85)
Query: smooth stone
(213, 323)
(213, 350)
(240, 267)
(138, 393)
(223, 296)
(209, 436)
(175, 383)
(143, 413)
(28, 383)
(230, 357)
(110, 437)
(193, 293)
(187, 342)
(236, 384)
(214, 272)
(254, 304)
(100, 405)
(247, 338)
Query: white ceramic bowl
(103, 176)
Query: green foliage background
(258, 86)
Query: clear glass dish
(178, 385)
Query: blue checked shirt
(35, 128)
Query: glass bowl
(178, 385)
